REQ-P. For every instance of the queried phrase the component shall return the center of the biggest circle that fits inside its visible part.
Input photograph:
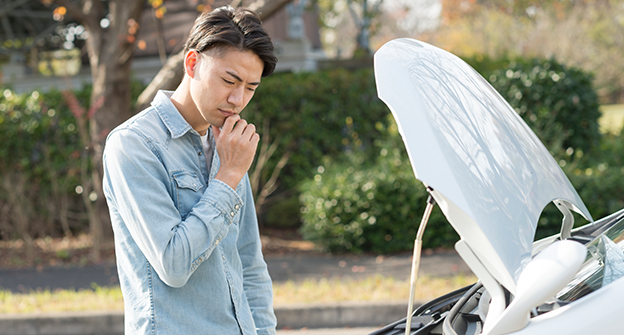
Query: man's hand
(236, 145)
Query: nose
(236, 96)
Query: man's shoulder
(146, 123)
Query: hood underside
(490, 173)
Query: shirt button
(236, 207)
(199, 260)
(199, 153)
(217, 243)
(223, 256)
(232, 214)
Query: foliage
(370, 203)
(316, 114)
(583, 34)
(366, 202)
(44, 162)
(39, 163)
(556, 101)
(599, 179)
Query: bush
(556, 101)
(39, 165)
(370, 203)
(599, 179)
(317, 114)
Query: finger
(240, 126)
(249, 131)
(255, 138)
(230, 123)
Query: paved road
(281, 268)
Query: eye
(228, 82)
(251, 89)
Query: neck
(183, 101)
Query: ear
(190, 62)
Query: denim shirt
(187, 245)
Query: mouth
(226, 113)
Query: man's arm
(256, 281)
(136, 184)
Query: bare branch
(357, 20)
(271, 185)
(376, 8)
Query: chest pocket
(188, 191)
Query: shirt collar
(170, 115)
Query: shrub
(370, 203)
(556, 101)
(39, 165)
(317, 114)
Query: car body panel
(491, 175)
(597, 313)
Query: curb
(340, 315)
(295, 316)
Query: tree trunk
(110, 51)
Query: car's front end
(492, 177)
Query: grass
(377, 288)
(612, 118)
(100, 298)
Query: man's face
(224, 82)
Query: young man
(175, 178)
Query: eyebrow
(239, 79)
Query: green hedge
(370, 203)
(330, 119)
(317, 114)
(346, 194)
(556, 101)
(39, 164)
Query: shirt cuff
(223, 198)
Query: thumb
(216, 132)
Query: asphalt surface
(281, 268)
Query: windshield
(604, 264)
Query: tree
(585, 34)
(112, 27)
(363, 15)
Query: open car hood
(491, 175)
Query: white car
(492, 177)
